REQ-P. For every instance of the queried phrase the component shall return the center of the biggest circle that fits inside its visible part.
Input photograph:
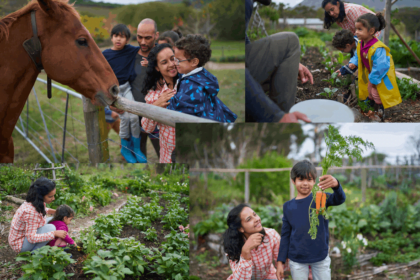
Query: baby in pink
(62, 218)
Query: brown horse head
(69, 56)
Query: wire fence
(55, 127)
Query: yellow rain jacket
(387, 88)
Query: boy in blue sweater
(121, 57)
(296, 243)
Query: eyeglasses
(177, 61)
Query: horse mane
(7, 21)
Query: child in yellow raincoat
(377, 80)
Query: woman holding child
(30, 229)
(251, 249)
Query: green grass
(232, 90)
(227, 48)
(232, 83)
(95, 11)
(311, 42)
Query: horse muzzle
(106, 99)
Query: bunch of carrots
(338, 146)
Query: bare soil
(407, 111)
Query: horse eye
(82, 42)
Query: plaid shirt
(25, 223)
(260, 267)
(353, 12)
(166, 132)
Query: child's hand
(352, 66)
(162, 101)
(338, 72)
(280, 271)
(327, 181)
(144, 62)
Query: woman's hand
(253, 242)
(294, 117)
(280, 271)
(327, 181)
(164, 97)
(51, 211)
(60, 234)
(352, 66)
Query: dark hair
(153, 76)
(195, 46)
(329, 20)
(303, 170)
(369, 21)
(170, 36)
(61, 212)
(121, 29)
(233, 239)
(40, 188)
(342, 38)
(176, 30)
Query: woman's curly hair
(233, 239)
(195, 46)
(329, 20)
(40, 188)
(154, 77)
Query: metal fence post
(292, 189)
(364, 179)
(246, 186)
(96, 132)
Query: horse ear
(48, 6)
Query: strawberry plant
(173, 266)
(106, 269)
(176, 242)
(108, 225)
(45, 263)
(328, 92)
(140, 223)
(338, 146)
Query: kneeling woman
(30, 229)
(250, 248)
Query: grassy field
(232, 83)
(227, 48)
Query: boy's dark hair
(61, 212)
(372, 21)
(121, 29)
(342, 38)
(171, 37)
(195, 46)
(303, 170)
(329, 20)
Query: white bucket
(324, 111)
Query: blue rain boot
(136, 148)
(127, 153)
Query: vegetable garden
(323, 60)
(129, 224)
(373, 235)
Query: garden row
(381, 227)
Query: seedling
(151, 234)
(328, 92)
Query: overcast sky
(124, 1)
(292, 3)
(390, 139)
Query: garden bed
(407, 111)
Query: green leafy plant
(108, 225)
(176, 242)
(333, 80)
(102, 268)
(408, 88)
(364, 106)
(150, 234)
(45, 263)
(172, 266)
(14, 180)
(338, 146)
(328, 92)
(350, 247)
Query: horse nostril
(114, 90)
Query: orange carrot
(320, 201)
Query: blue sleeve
(380, 66)
(355, 59)
(285, 238)
(258, 106)
(108, 111)
(336, 198)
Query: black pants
(143, 144)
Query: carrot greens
(338, 147)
